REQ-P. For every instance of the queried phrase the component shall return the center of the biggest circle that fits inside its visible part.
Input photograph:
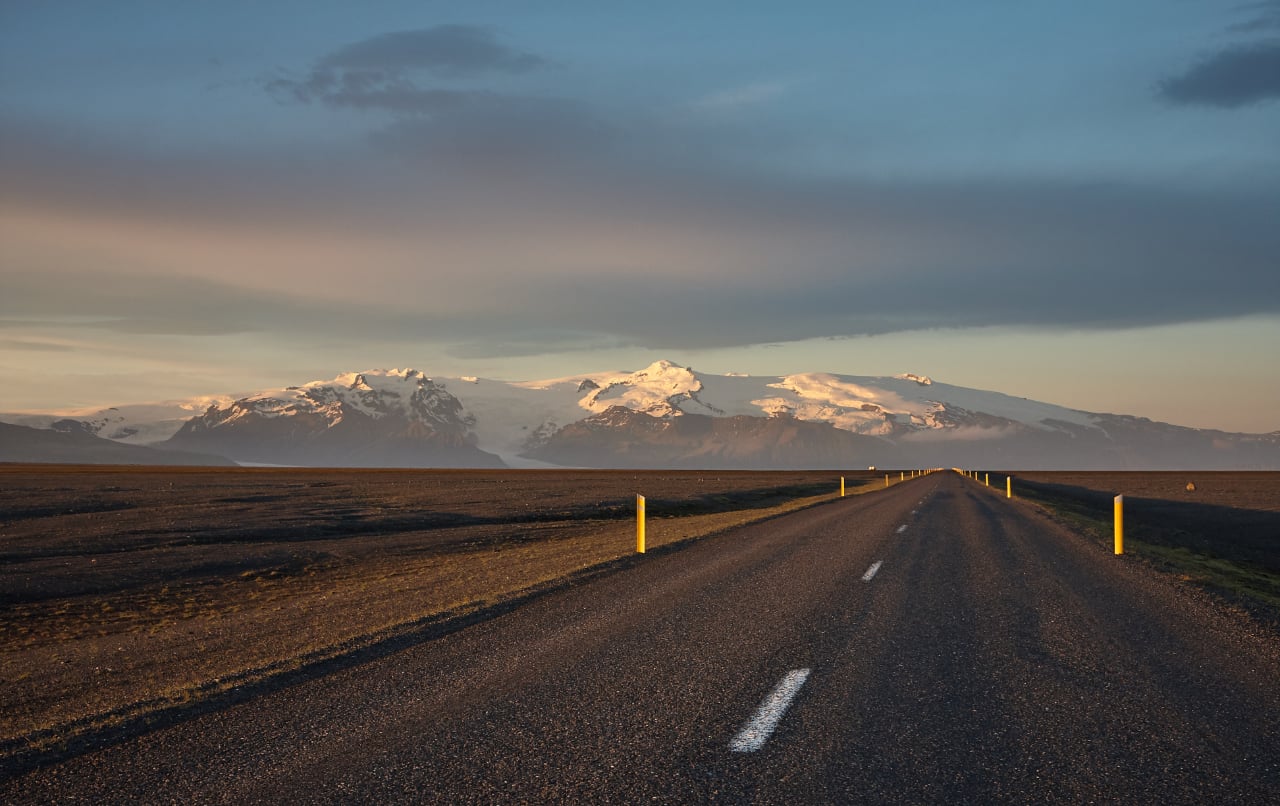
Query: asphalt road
(990, 656)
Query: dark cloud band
(444, 49)
(1238, 76)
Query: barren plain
(131, 594)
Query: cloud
(605, 237)
(1237, 76)
(29, 345)
(391, 94)
(491, 133)
(451, 50)
(382, 72)
(1265, 17)
(741, 97)
(144, 305)
(964, 433)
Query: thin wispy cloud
(31, 345)
(745, 96)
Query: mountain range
(663, 416)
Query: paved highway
(930, 643)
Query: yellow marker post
(986, 479)
(886, 479)
(640, 524)
(842, 486)
(1008, 486)
(1119, 524)
(902, 475)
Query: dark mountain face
(342, 427)
(1149, 444)
(77, 446)
(623, 438)
(356, 441)
(620, 437)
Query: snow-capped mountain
(665, 415)
(383, 418)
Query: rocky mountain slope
(397, 418)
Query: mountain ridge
(71, 445)
(666, 415)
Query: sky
(1077, 203)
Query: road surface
(929, 643)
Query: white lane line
(756, 732)
(902, 528)
(871, 572)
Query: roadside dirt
(127, 591)
(1218, 530)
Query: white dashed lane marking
(871, 572)
(902, 528)
(756, 732)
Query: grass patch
(1217, 573)
(1174, 551)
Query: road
(929, 643)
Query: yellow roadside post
(640, 524)
(1119, 524)
(886, 479)
(842, 486)
(986, 478)
(1008, 486)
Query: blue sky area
(1073, 202)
